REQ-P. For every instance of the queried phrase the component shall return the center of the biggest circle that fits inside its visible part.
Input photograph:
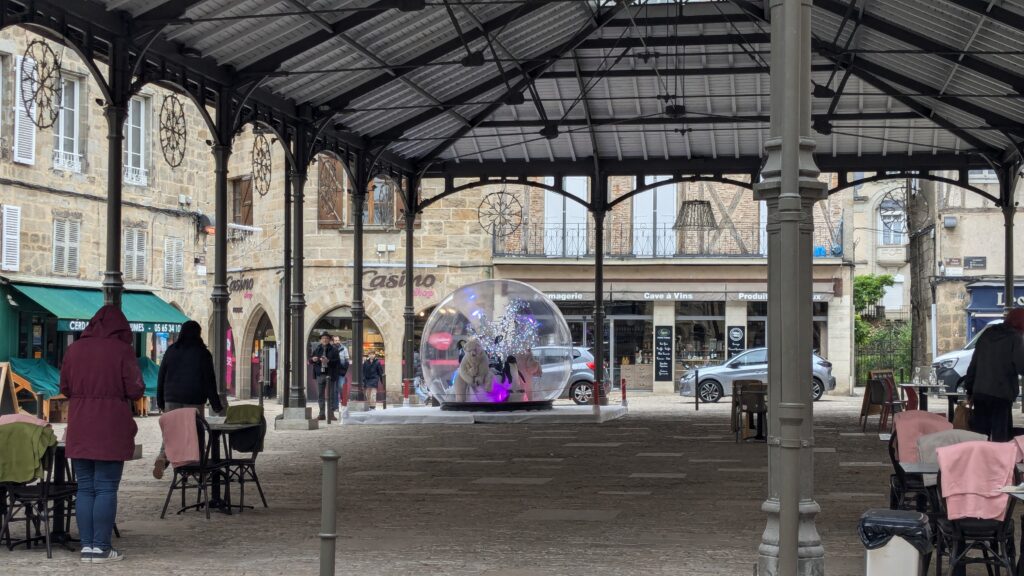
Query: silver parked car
(716, 381)
(581, 376)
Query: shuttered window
(10, 240)
(330, 192)
(24, 149)
(174, 263)
(135, 255)
(65, 130)
(66, 233)
(135, 144)
(241, 201)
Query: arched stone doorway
(263, 362)
(338, 322)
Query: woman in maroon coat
(100, 376)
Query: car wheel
(582, 393)
(817, 390)
(710, 391)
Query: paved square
(419, 499)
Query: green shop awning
(74, 307)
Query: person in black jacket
(991, 382)
(186, 380)
(373, 373)
(326, 366)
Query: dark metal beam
(682, 165)
(667, 72)
(926, 112)
(273, 61)
(688, 120)
(494, 24)
(168, 10)
(998, 14)
(862, 65)
(662, 41)
(596, 23)
(927, 43)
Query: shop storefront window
(700, 334)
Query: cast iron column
(1009, 207)
(220, 297)
(113, 281)
(283, 347)
(599, 202)
(358, 205)
(790, 545)
(409, 343)
(297, 416)
(116, 113)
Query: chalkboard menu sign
(737, 341)
(663, 354)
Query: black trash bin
(897, 542)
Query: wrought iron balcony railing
(625, 240)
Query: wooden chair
(737, 389)
(753, 403)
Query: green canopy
(149, 374)
(74, 307)
(45, 379)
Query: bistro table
(219, 431)
(923, 390)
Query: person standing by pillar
(344, 361)
(372, 374)
(992, 378)
(325, 369)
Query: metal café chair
(200, 475)
(35, 502)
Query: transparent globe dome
(496, 344)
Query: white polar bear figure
(474, 370)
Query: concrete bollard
(328, 514)
(696, 390)
(406, 384)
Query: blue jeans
(96, 504)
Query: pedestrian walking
(101, 378)
(325, 370)
(344, 361)
(373, 374)
(186, 380)
(992, 378)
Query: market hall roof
(475, 84)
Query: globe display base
(495, 406)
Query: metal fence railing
(626, 240)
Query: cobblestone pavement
(663, 491)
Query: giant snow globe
(496, 345)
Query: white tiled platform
(431, 415)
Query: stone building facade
(969, 247)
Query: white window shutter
(60, 234)
(129, 253)
(169, 262)
(11, 242)
(140, 255)
(74, 227)
(174, 263)
(24, 149)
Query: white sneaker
(101, 557)
(88, 553)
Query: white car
(952, 366)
